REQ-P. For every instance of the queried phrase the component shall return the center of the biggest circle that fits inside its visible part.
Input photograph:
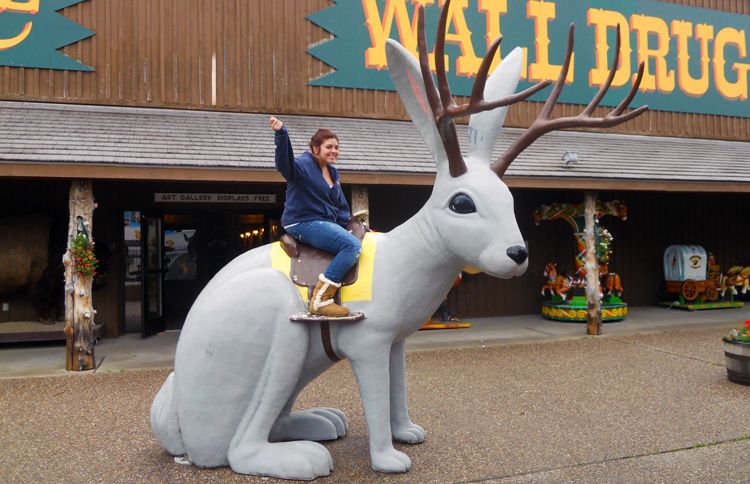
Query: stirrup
(308, 317)
(325, 328)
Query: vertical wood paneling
(158, 53)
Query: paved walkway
(642, 404)
(133, 352)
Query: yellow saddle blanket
(361, 290)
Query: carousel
(566, 292)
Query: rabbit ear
(484, 126)
(409, 82)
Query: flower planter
(738, 361)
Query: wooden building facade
(253, 57)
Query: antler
(444, 108)
(543, 124)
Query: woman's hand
(276, 123)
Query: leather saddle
(308, 262)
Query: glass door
(152, 276)
(133, 270)
(184, 261)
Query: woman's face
(328, 151)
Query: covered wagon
(686, 274)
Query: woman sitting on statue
(316, 212)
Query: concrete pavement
(133, 352)
(648, 406)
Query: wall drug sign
(696, 59)
(31, 31)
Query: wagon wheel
(712, 292)
(690, 290)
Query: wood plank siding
(250, 55)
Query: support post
(360, 200)
(79, 312)
(594, 313)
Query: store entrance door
(171, 257)
(152, 275)
(197, 245)
(184, 264)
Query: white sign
(214, 198)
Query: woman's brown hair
(320, 136)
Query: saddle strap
(325, 336)
(325, 330)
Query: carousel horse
(736, 276)
(240, 362)
(610, 281)
(615, 207)
(555, 283)
(573, 212)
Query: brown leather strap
(325, 336)
(325, 330)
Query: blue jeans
(332, 238)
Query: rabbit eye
(462, 203)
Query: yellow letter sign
(31, 7)
(542, 70)
(683, 30)
(731, 90)
(603, 20)
(663, 78)
(493, 10)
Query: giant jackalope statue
(240, 362)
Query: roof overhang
(99, 142)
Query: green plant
(82, 254)
(741, 334)
(604, 245)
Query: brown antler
(444, 108)
(543, 124)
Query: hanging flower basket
(737, 353)
(82, 255)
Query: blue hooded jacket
(308, 196)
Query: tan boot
(321, 301)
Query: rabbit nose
(518, 253)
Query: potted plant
(82, 253)
(737, 352)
